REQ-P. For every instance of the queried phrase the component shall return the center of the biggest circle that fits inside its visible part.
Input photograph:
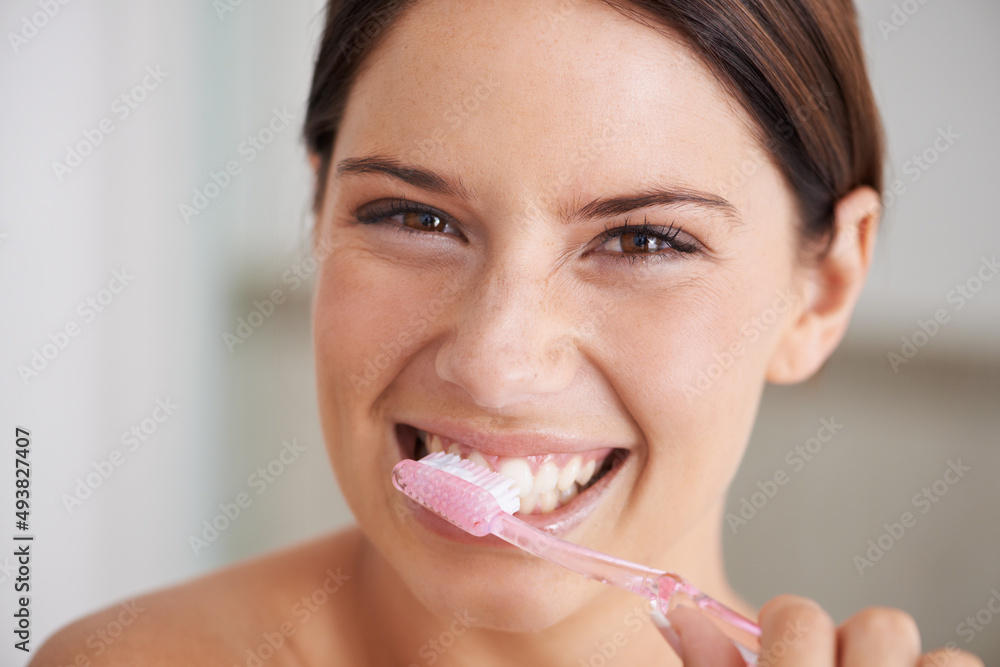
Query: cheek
(366, 317)
(676, 347)
(689, 366)
(347, 328)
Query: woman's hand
(797, 631)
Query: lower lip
(558, 522)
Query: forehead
(531, 93)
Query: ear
(829, 291)
(314, 162)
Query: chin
(527, 599)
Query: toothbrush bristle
(465, 494)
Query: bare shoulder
(270, 609)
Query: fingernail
(667, 630)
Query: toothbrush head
(461, 492)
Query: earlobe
(829, 290)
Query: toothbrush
(481, 502)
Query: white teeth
(567, 495)
(519, 471)
(528, 504)
(479, 460)
(567, 476)
(546, 478)
(544, 490)
(548, 500)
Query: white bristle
(465, 494)
(500, 487)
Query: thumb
(696, 640)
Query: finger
(796, 631)
(666, 629)
(702, 644)
(879, 636)
(949, 657)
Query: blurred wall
(210, 80)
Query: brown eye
(646, 243)
(424, 221)
(408, 217)
(641, 243)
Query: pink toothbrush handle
(666, 589)
(475, 509)
(673, 592)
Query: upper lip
(490, 440)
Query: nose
(511, 340)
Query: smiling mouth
(546, 482)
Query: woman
(542, 221)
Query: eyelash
(667, 235)
(396, 207)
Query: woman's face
(501, 313)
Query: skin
(541, 325)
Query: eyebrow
(421, 178)
(601, 207)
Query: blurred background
(129, 254)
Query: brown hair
(796, 66)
